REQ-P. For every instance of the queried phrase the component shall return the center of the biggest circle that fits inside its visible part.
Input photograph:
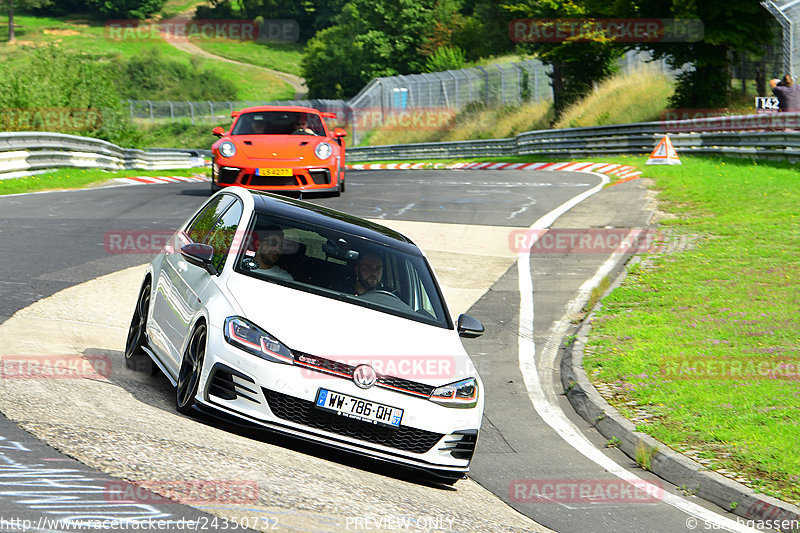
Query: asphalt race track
(126, 426)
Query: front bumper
(280, 397)
(303, 178)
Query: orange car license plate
(274, 171)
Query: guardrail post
(151, 110)
(130, 105)
(211, 105)
(191, 110)
(171, 111)
(230, 104)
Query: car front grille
(304, 412)
(277, 181)
(345, 371)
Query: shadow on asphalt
(157, 391)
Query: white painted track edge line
(552, 414)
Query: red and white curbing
(621, 171)
(150, 180)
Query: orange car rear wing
(328, 115)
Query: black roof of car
(331, 219)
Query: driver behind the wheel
(369, 272)
(301, 126)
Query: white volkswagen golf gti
(313, 323)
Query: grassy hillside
(91, 37)
(284, 57)
(636, 97)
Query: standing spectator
(788, 93)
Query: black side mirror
(199, 255)
(469, 327)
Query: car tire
(135, 357)
(191, 367)
(214, 187)
(341, 183)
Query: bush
(151, 76)
(126, 9)
(215, 9)
(63, 91)
(446, 58)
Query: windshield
(278, 123)
(342, 266)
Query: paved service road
(53, 241)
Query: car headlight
(462, 393)
(250, 338)
(323, 150)
(227, 149)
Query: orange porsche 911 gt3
(279, 148)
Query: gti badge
(364, 376)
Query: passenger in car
(270, 248)
(369, 272)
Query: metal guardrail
(27, 153)
(760, 136)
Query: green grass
(639, 96)
(283, 57)
(77, 178)
(471, 123)
(90, 36)
(180, 134)
(732, 296)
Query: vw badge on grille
(364, 376)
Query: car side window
(203, 223)
(221, 236)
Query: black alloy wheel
(189, 374)
(135, 358)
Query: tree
(11, 5)
(729, 26)
(371, 38)
(485, 29)
(332, 64)
(577, 64)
